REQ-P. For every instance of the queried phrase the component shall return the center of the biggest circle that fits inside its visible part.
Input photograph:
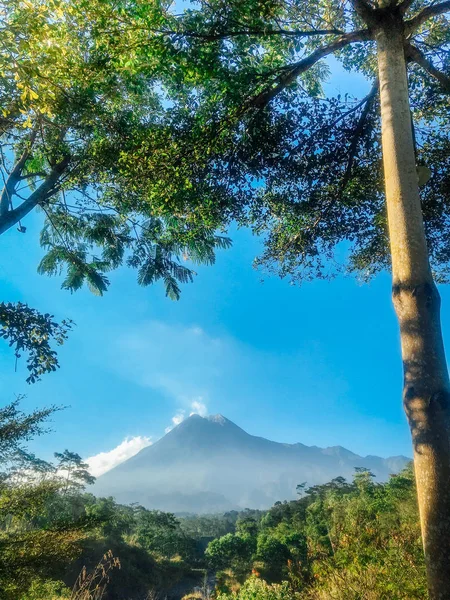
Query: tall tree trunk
(426, 392)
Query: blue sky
(319, 364)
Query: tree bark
(426, 392)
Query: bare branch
(43, 192)
(427, 13)
(418, 57)
(291, 72)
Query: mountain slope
(210, 464)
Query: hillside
(209, 464)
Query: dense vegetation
(338, 540)
(50, 527)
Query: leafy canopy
(74, 110)
(142, 132)
(258, 141)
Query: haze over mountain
(209, 464)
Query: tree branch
(358, 132)
(15, 176)
(369, 99)
(359, 129)
(404, 6)
(211, 37)
(291, 72)
(357, 106)
(364, 11)
(39, 196)
(40, 174)
(427, 13)
(418, 57)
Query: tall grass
(92, 586)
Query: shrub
(257, 589)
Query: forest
(141, 135)
(345, 540)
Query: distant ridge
(209, 464)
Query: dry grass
(92, 586)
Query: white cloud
(199, 407)
(176, 420)
(105, 461)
